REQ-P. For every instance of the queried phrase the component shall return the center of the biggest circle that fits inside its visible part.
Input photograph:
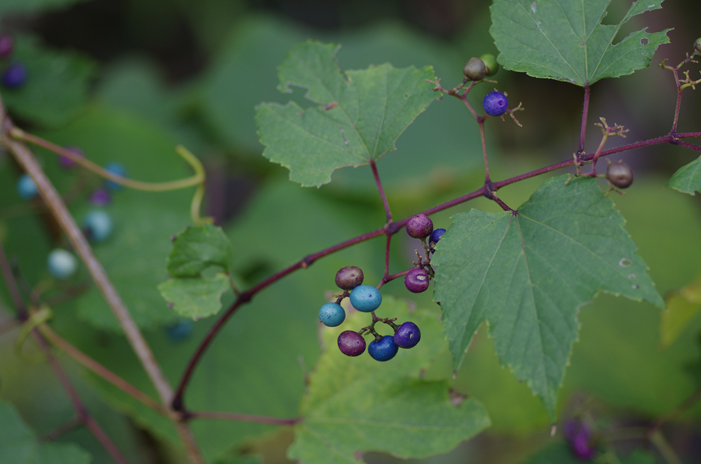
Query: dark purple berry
(100, 197)
(351, 343)
(407, 335)
(579, 437)
(495, 103)
(417, 281)
(619, 174)
(14, 76)
(474, 69)
(68, 163)
(436, 235)
(6, 45)
(349, 277)
(419, 226)
(383, 349)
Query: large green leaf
(358, 404)
(56, 87)
(529, 273)
(565, 40)
(360, 114)
(18, 445)
(687, 179)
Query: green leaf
(565, 39)
(358, 404)
(360, 114)
(682, 307)
(19, 445)
(195, 297)
(197, 248)
(687, 179)
(529, 274)
(56, 87)
(34, 6)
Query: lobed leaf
(687, 179)
(195, 297)
(360, 114)
(565, 39)
(197, 248)
(529, 273)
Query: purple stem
(382, 190)
(585, 114)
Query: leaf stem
(585, 115)
(484, 150)
(376, 175)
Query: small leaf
(197, 248)
(358, 404)
(195, 297)
(687, 179)
(529, 274)
(19, 445)
(565, 39)
(360, 114)
(682, 307)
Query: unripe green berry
(697, 46)
(474, 69)
(490, 64)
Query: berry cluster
(14, 73)
(366, 298)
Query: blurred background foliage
(127, 80)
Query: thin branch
(240, 417)
(62, 429)
(585, 114)
(376, 175)
(484, 150)
(683, 407)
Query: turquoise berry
(97, 225)
(26, 187)
(118, 169)
(495, 104)
(332, 314)
(180, 331)
(62, 264)
(365, 298)
(383, 349)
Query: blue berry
(97, 225)
(365, 298)
(384, 349)
(26, 187)
(14, 76)
(118, 169)
(495, 104)
(436, 235)
(332, 314)
(62, 264)
(180, 330)
(407, 335)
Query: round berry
(332, 314)
(697, 46)
(100, 197)
(14, 76)
(383, 349)
(6, 45)
(436, 235)
(619, 174)
(349, 277)
(578, 436)
(417, 281)
(490, 63)
(68, 163)
(474, 69)
(407, 335)
(97, 225)
(118, 169)
(351, 343)
(365, 298)
(26, 187)
(419, 226)
(495, 103)
(180, 331)
(62, 264)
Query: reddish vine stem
(585, 115)
(390, 278)
(240, 417)
(62, 429)
(387, 249)
(480, 122)
(376, 175)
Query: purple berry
(407, 335)
(14, 76)
(68, 163)
(436, 235)
(495, 103)
(349, 277)
(579, 437)
(351, 343)
(419, 226)
(100, 197)
(417, 281)
(6, 45)
(383, 349)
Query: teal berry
(97, 225)
(62, 264)
(26, 187)
(383, 349)
(118, 169)
(180, 331)
(332, 314)
(365, 298)
(495, 103)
